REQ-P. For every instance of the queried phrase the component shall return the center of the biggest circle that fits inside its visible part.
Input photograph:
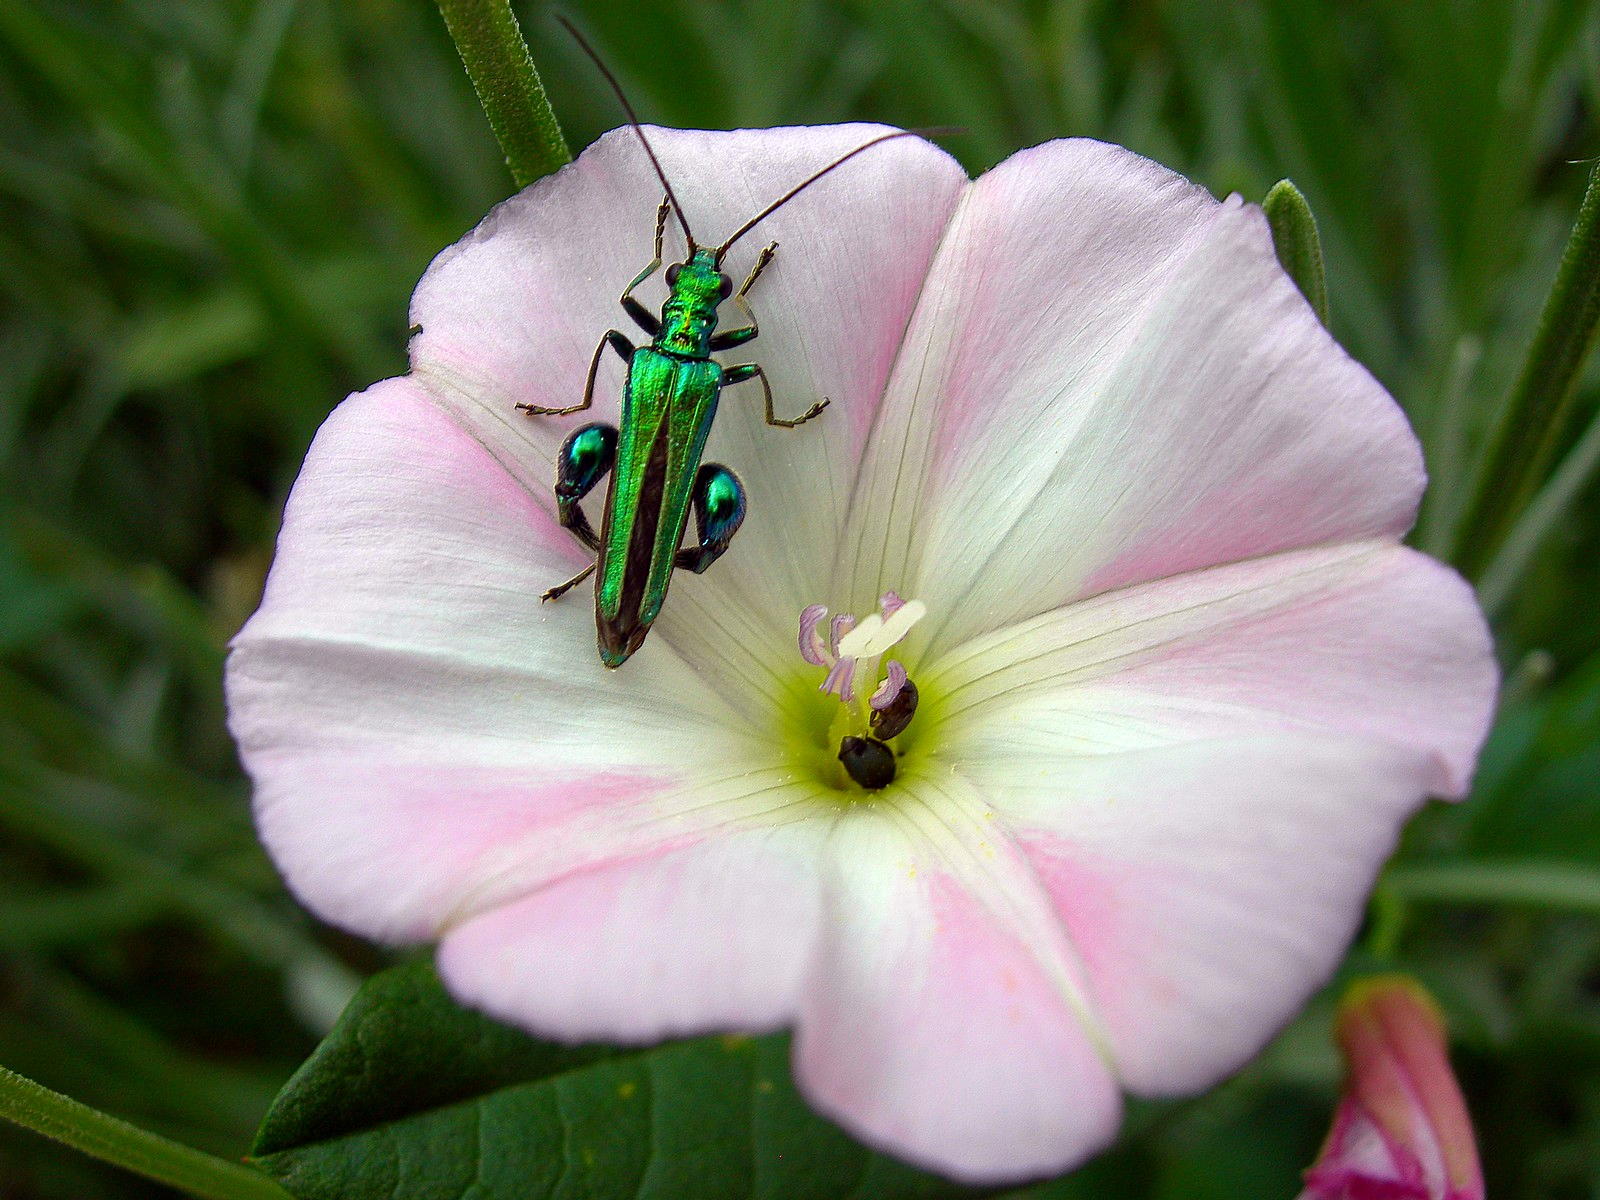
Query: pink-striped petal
(424, 735)
(712, 937)
(1370, 640)
(1209, 887)
(1402, 1128)
(1111, 380)
(941, 1022)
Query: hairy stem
(492, 49)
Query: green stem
(1387, 923)
(36, 1107)
(492, 49)
(1569, 888)
(1534, 423)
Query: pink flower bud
(1402, 1129)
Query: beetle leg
(642, 316)
(744, 371)
(561, 589)
(719, 507)
(583, 460)
(728, 339)
(617, 342)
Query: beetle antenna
(633, 119)
(935, 131)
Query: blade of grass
(124, 1063)
(77, 917)
(75, 69)
(1533, 426)
(1445, 444)
(1539, 519)
(36, 1107)
(239, 114)
(233, 916)
(1511, 883)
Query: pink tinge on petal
(1396, 644)
(1124, 220)
(1207, 888)
(932, 1031)
(407, 709)
(711, 937)
(812, 648)
(1361, 1165)
(1413, 1033)
(394, 848)
(1369, 639)
(1097, 898)
(1130, 387)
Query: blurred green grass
(211, 216)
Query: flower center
(875, 706)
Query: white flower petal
(1111, 380)
(513, 311)
(1370, 640)
(408, 709)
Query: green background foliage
(211, 215)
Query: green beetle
(668, 405)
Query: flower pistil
(872, 711)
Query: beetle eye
(727, 287)
(672, 274)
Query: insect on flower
(668, 406)
(1003, 818)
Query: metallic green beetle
(668, 405)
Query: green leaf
(1294, 237)
(412, 1096)
(30, 604)
(1537, 420)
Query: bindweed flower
(1177, 684)
(1401, 1131)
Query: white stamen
(876, 634)
(855, 643)
(854, 648)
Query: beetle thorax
(689, 317)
